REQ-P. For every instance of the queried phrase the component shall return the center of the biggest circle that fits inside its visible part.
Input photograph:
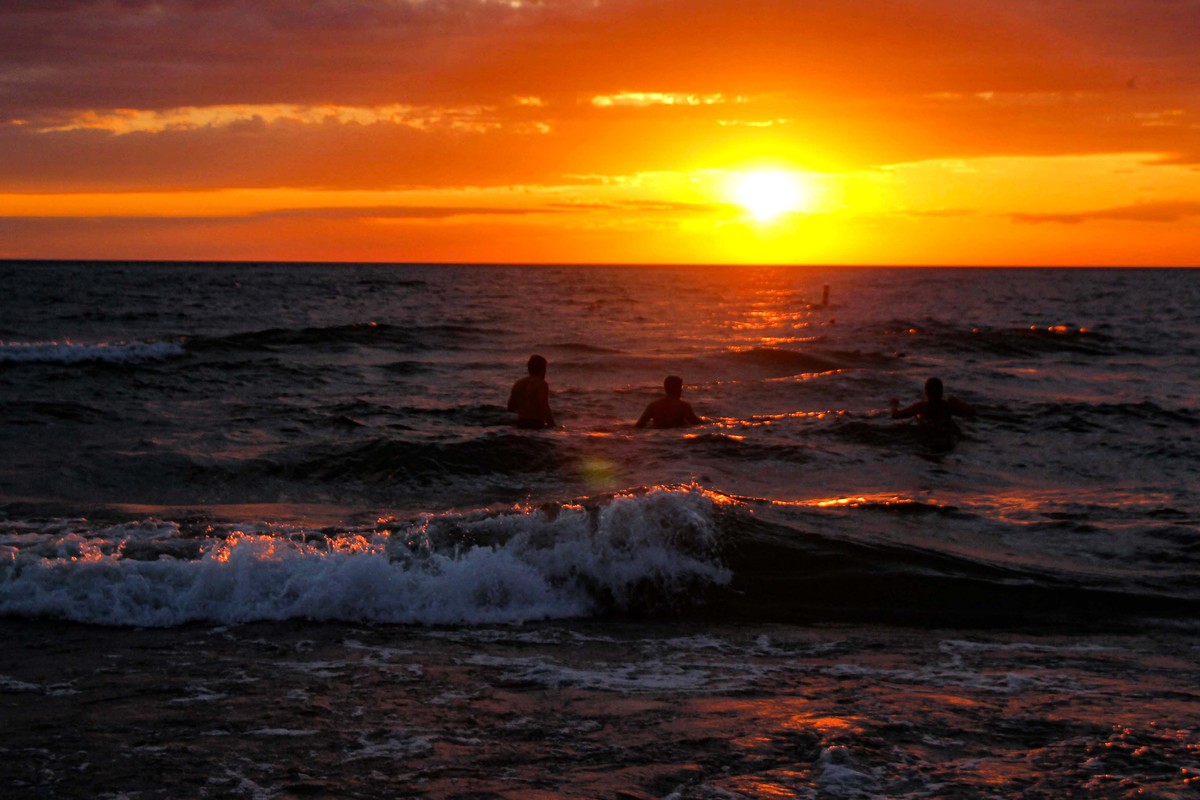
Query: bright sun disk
(768, 194)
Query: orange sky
(912, 131)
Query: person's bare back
(530, 397)
(670, 411)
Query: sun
(769, 193)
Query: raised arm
(908, 411)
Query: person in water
(670, 411)
(530, 397)
(936, 413)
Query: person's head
(674, 386)
(537, 366)
(933, 389)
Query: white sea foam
(397, 746)
(13, 685)
(202, 695)
(68, 352)
(531, 568)
(648, 676)
(696, 644)
(839, 775)
(954, 674)
(318, 669)
(72, 539)
(952, 645)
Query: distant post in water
(825, 297)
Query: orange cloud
(550, 104)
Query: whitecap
(67, 352)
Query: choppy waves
(369, 334)
(1031, 341)
(334, 337)
(383, 390)
(386, 461)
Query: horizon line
(562, 264)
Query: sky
(924, 132)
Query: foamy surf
(632, 551)
(68, 352)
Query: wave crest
(631, 553)
(81, 353)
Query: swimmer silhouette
(530, 397)
(935, 413)
(670, 411)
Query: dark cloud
(109, 54)
(1142, 212)
(288, 234)
(391, 212)
(104, 54)
(338, 213)
(331, 156)
(666, 207)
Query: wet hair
(537, 365)
(933, 389)
(674, 385)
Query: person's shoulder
(961, 406)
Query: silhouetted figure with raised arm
(936, 413)
(670, 411)
(530, 397)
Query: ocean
(268, 531)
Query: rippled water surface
(304, 450)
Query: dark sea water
(268, 531)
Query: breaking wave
(629, 553)
(83, 353)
